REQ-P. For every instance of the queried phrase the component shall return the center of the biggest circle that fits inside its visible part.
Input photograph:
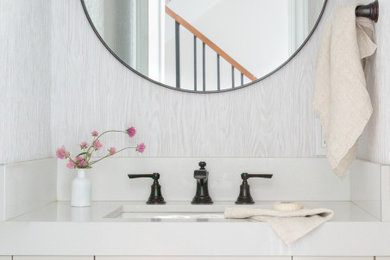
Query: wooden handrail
(209, 43)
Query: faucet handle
(245, 196)
(202, 173)
(155, 193)
(154, 176)
(202, 165)
(246, 176)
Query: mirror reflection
(204, 45)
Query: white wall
(25, 70)
(91, 90)
(375, 143)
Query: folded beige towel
(340, 97)
(289, 226)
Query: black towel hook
(369, 11)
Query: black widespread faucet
(245, 196)
(202, 190)
(155, 193)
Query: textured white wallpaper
(90, 90)
(375, 143)
(25, 80)
(273, 118)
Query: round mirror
(204, 45)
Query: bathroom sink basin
(168, 212)
(171, 215)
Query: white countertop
(63, 212)
(60, 229)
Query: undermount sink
(173, 212)
(171, 215)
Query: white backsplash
(366, 189)
(2, 192)
(32, 184)
(26, 186)
(385, 192)
(294, 179)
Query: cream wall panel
(53, 258)
(92, 90)
(5, 257)
(25, 79)
(375, 142)
(382, 258)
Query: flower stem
(108, 155)
(88, 154)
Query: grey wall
(25, 69)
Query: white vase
(81, 190)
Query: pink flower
(112, 150)
(70, 164)
(82, 163)
(141, 148)
(97, 145)
(78, 159)
(131, 131)
(84, 145)
(62, 153)
(95, 133)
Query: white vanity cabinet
(52, 258)
(193, 258)
(333, 258)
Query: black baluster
(218, 74)
(177, 49)
(242, 79)
(232, 76)
(195, 74)
(204, 65)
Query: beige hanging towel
(340, 96)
